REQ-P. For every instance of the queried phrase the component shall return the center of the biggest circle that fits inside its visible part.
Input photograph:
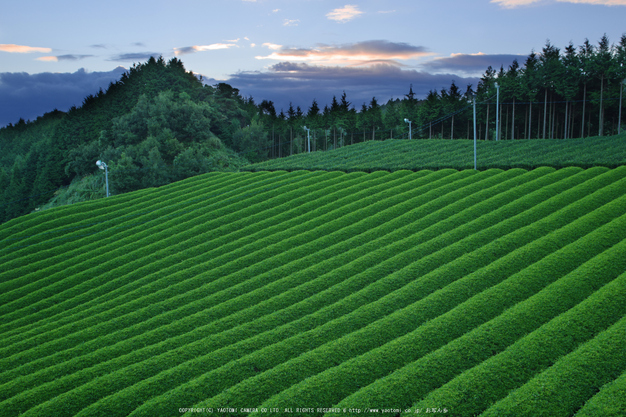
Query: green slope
(472, 292)
(392, 155)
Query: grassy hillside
(466, 292)
(393, 155)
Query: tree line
(574, 92)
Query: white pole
(308, 138)
(619, 117)
(105, 167)
(474, 133)
(106, 176)
(497, 111)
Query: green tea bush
(608, 402)
(461, 270)
(562, 389)
(279, 289)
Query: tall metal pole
(619, 116)
(308, 139)
(497, 111)
(105, 167)
(474, 132)
(409, 122)
(106, 177)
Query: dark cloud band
(134, 57)
(27, 96)
(470, 64)
(300, 83)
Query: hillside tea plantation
(457, 292)
(393, 155)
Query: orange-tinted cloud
(69, 57)
(272, 46)
(510, 4)
(344, 14)
(600, 2)
(359, 53)
(22, 49)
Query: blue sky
(52, 54)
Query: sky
(53, 54)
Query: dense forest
(159, 123)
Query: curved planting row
(283, 289)
(87, 241)
(563, 388)
(495, 377)
(437, 154)
(608, 402)
(378, 362)
(271, 307)
(332, 237)
(28, 230)
(124, 258)
(118, 275)
(504, 370)
(286, 245)
(452, 198)
(283, 371)
(150, 234)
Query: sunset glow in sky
(53, 54)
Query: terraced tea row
(392, 155)
(267, 289)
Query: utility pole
(474, 132)
(308, 139)
(104, 166)
(497, 111)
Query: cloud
(22, 49)
(100, 45)
(63, 58)
(134, 57)
(511, 4)
(345, 14)
(471, 64)
(600, 2)
(272, 46)
(288, 22)
(360, 53)
(300, 83)
(199, 48)
(28, 96)
(48, 58)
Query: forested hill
(156, 125)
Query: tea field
(458, 292)
(392, 155)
